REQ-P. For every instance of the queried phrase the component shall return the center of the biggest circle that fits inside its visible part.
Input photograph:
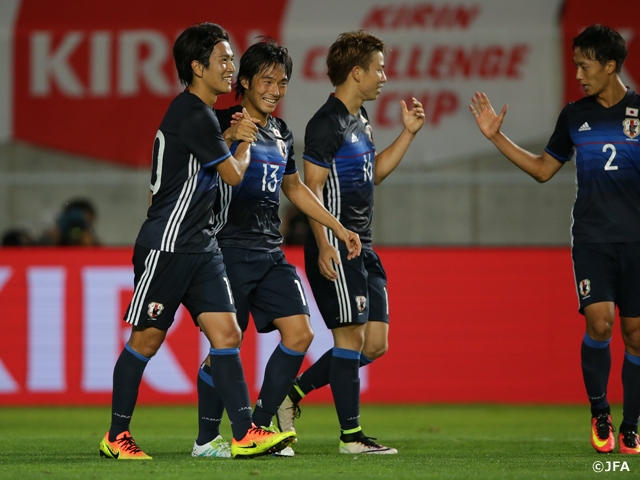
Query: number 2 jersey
(343, 143)
(606, 145)
(184, 179)
(246, 216)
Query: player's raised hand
(328, 257)
(486, 118)
(413, 119)
(242, 129)
(351, 240)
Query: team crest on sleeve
(584, 287)
(361, 303)
(631, 127)
(155, 309)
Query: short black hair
(258, 58)
(196, 43)
(602, 43)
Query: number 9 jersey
(606, 145)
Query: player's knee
(300, 340)
(375, 351)
(600, 330)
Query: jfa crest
(367, 128)
(155, 309)
(631, 127)
(584, 287)
(361, 303)
(283, 148)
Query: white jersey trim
(170, 234)
(140, 293)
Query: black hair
(258, 58)
(196, 43)
(602, 43)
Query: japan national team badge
(631, 127)
(361, 303)
(584, 287)
(283, 148)
(155, 309)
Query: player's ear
(611, 66)
(197, 68)
(356, 72)
(245, 83)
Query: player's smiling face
(372, 79)
(218, 76)
(265, 92)
(594, 77)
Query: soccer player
(176, 257)
(247, 222)
(601, 132)
(341, 168)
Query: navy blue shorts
(266, 285)
(608, 272)
(164, 280)
(358, 295)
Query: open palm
(488, 121)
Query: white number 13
(609, 165)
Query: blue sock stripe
(288, 351)
(344, 353)
(632, 358)
(205, 378)
(590, 342)
(136, 354)
(224, 351)
(364, 360)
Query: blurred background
(84, 85)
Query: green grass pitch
(434, 441)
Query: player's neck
(203, 93)
(613, 94)
(351, 100)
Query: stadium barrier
(467, 325)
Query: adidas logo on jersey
(585, 127)
(354, 139)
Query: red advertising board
(94, 78)
(467, 325)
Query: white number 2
(611, 147)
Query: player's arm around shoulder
(541, 167)
(302, 197)
(387, 160)
(232, 170)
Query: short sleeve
(291, 158)
(200, 133)
(322, 139)
(560, 145)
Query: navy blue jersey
(184, 179)
(343, 143)
(246, 216)
(606, 145)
